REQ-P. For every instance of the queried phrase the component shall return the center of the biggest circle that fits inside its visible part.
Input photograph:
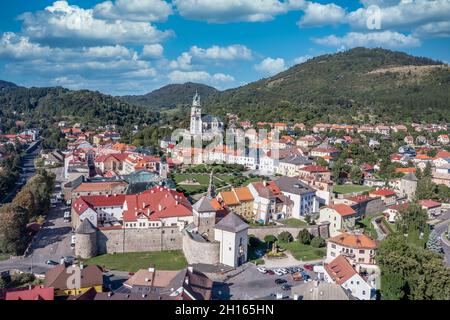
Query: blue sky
(134, 46)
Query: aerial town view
(256, 150)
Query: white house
(341, 272)
(232, 233)
(302, 195)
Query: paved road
(51, 243)
(251, 284)
(28, 171)
(440, 229)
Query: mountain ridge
(171, 95)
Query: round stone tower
(86, 240)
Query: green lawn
(292, 222)
(4, 257)
(132, 262)
(350, 188)
(369, 230)
(303, 252)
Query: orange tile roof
(215, 204)
(243, 194)
(356, 241)
(342, 209)
(229, 198)
(405, 170)
(340, 270)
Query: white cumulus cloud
(317, 14)
(68, 24)
(271, 66)
(385, 39)
(215, 52)
(178, 76)
(153, 51)
(221, 11)
(134, 10)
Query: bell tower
(196, 115)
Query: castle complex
(155, 220)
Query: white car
(262, 270)
(283, 270)
(278, 272)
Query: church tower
(196, 115)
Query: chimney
(151, 269)
(110, 294)
(81, 266)
(191, 269)
(264, 183)
(295, 296)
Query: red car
(270, 272)
(309, 267)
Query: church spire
(211, 188)
(196, 99)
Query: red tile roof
(342, 209)
(314, 169)
(430, 204)
(157, 203)
(383, 193)
(37, 293)
(340, 270)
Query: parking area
(253, 284)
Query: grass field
(350, 188)
(303, 252)
(203, 180)
(292, 222)
(132, 262)
(369, 229)
(4, 257)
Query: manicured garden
(133, 261)
(303, 252)
(350, 188)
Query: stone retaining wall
(200, 252)
(321, 230)
(139, 240)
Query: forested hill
(171, 95)
(4, 85)
(357, 85)
(37, 105)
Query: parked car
(283, 270)
(51, 263)
(278, 272)
(280, 281)
(297, 277)
(270, 272)
(69, 259)
(309, 267)
(262, 270)
(286, 287)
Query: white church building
(201, 125)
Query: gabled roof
(36, 293)
(410, 177)
(382, 193)
(243, 194)
(85, 227)
(342, 209)
(232, 223)
(356, 241)
(340, 270)
(57, 277)
(293, 185)
(155, 204)
(429, 204)
(203, 205)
